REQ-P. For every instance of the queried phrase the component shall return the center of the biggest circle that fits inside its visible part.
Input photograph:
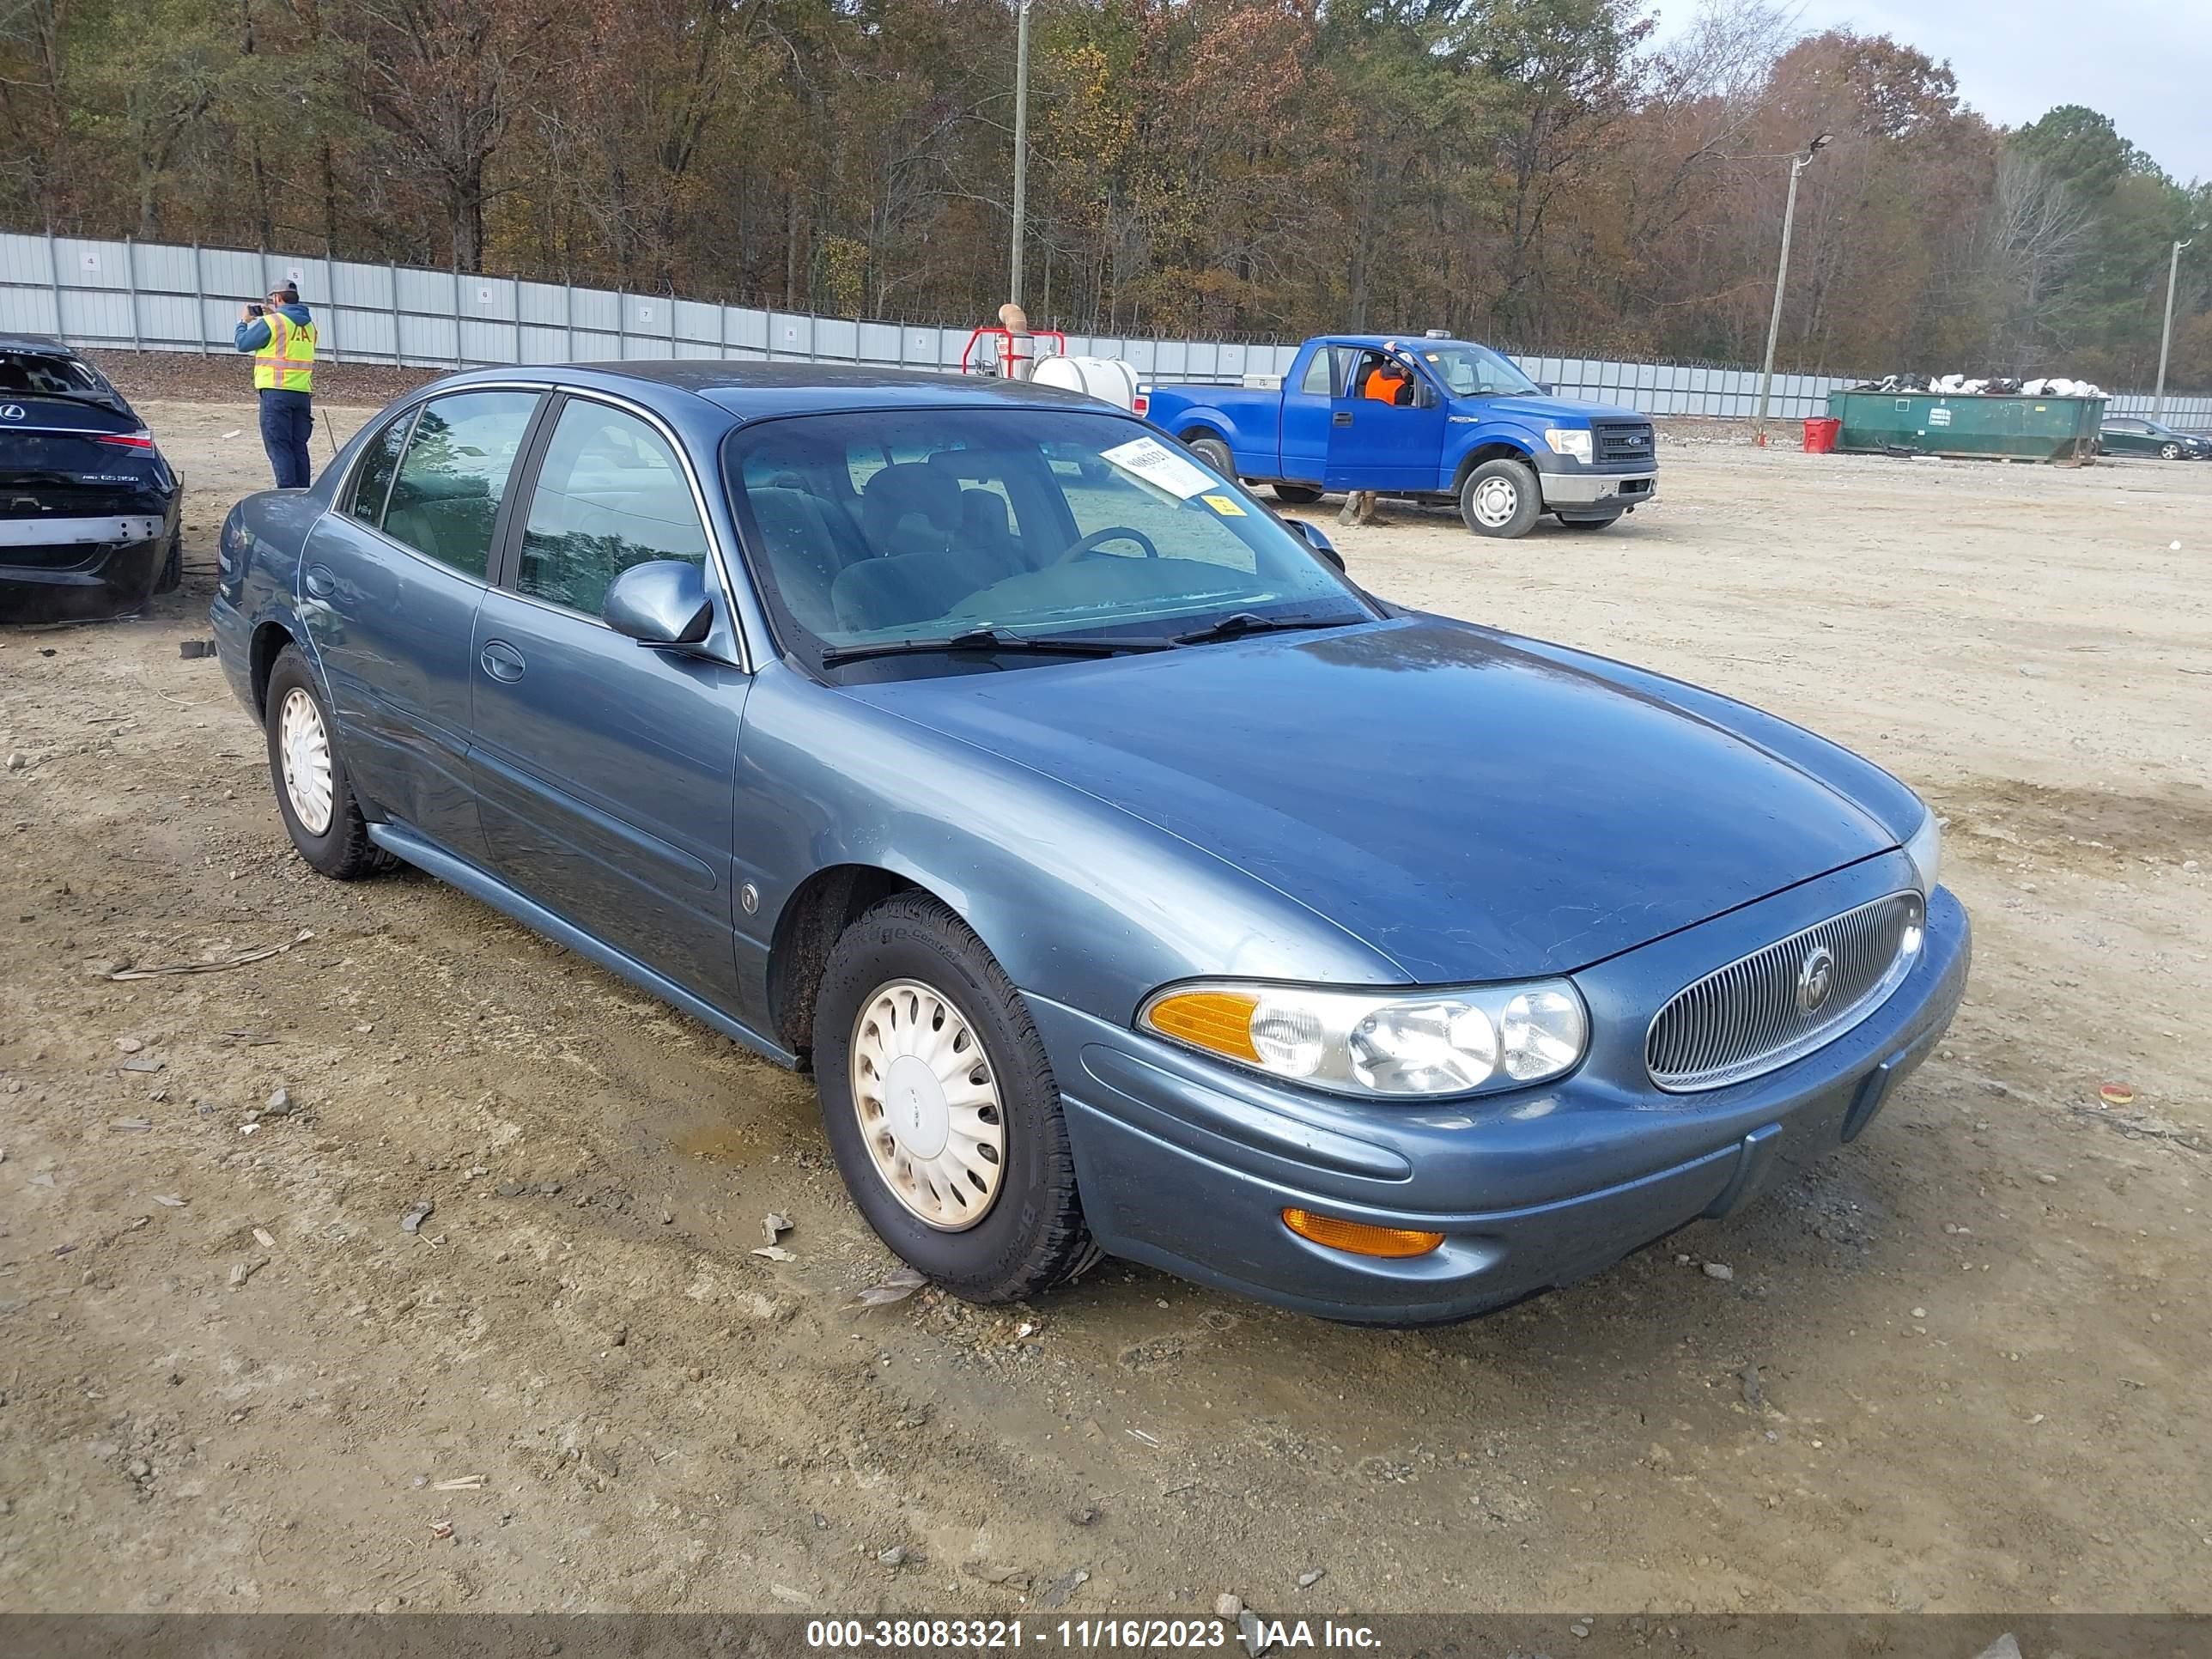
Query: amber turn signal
(1358, 1237)
(1219, 1020)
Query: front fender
(1079, 900)
(1468, 436)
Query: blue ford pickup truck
(1430, 418)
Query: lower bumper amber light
(1358, 1237)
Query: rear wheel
(172, 567)
(1599, 522)
(313, 792)
(941, 1108)
(1297, 494)
(1215, 454)
(1500, 498)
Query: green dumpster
(1935, 423)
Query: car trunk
(71, 453)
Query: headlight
(1394, 1044)
(1565, 442)
(1925, 849)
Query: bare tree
(2032, 234)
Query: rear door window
(610, 494)
(371, 479)
(446, 497)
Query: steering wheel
(1112, 533)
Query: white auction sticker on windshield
(1154, 462)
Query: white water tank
(1107, 378)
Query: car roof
(1404, 340)
(753, 391)
(44, 346)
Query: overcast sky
(2147, 63)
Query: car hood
(1534, 406)
(1468, 809)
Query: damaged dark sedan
(90, 520)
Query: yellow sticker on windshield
(1226, 505)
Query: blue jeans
(287, 419)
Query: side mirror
(1317, 540)
(1547, 388)
(662, 602)
(1425, 395)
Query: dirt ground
(1961, 1366)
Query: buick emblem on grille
(1816, 977)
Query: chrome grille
(1750, 1017)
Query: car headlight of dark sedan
(1387, 1044)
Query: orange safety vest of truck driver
(1384, 382)
(287, 363)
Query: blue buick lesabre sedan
(1129, 880)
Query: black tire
(343, 851)
(1501, 498)
(1605, 522)
(172, 567)
(1215, 454)
(1031, 1237)
(2169, 452)
(1297, 494)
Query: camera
(256, 311)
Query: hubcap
(304, 747)
(1496, 501)
(928, 1105)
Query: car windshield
(1471, 371)
(874, 528)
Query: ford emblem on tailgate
(1816, 976)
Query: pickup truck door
(1378, 446)
(1306, 400)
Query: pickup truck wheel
(941, 1108)
(1598, 523)
(1215, 454)
(1296, 494)
(1501, 498)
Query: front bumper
(1589, 490)
(78, 569)
(1187, 1164)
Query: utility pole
(1021, 144)
(2165, 336)
(1797, 164)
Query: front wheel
(1600, 522)
(2169, 452)
(1297, 494)
(941, 1108)
(1215, 454)
(1501, 498)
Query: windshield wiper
(1241, 623)
(993, 639)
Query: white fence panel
(121, 294)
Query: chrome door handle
(501, 660)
